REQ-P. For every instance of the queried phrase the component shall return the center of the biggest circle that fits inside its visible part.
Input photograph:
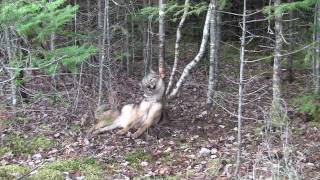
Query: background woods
(242, 88)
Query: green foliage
(89, 167)
(285, 7)
(3, 151)
(20, 145)
(173, 10)
(37, 19)
(309, 104)
(69, 57)
(224, 4)
(197, 9)
(48, 174)
(134, 158)
(148, 12)
(13, 171)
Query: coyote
(140, 116)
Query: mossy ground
(25, 145)
(13, 171)
(136, 157)
(89, 168)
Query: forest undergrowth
(48, 138)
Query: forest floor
(48, 139)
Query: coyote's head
(153, 86)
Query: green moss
(134, 158)
(18, 145)
(21, 145)
(89, 167)
(42, 142)
(314, 124)
(75, 127)
(3, 150)
(48, 174)
(13, 171)
(137, 156)
(213, 167)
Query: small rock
(310, 164)
(56, 135)
(191, 156)
(203, 114)
(204, 152)
(231, 138)
(144, 163)
(37, 157)
(164, 171)
(86, 141)
(213, 151)
(125, 163)
(222, 126)
(213, 156)
(169, 149)
(80, 178)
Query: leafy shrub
(310, 105)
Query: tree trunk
(12, 73)
(132, 44)
(161, 38)
(213, 51)
(150, 44)
(145, 42)
(194, 62)
(242, 59)
(52, 48)
(177, 45)
(99, 14)
(104, 49)
(276, 89)
(317, 50)
(290, 57)
(217, 54)
(88, 12)
(127, 53)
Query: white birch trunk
(99, 14)
(290, 56)
(145, 41)
(217, 54)
(161, 38)
(75, 24)
(177, 45)
(276, 91)
(132, 44)
(12, 73)
(242, 59)
(104, 51)
(317, 50)
(127, 45)
(213, 51)
(194, 62)
(52, 48)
